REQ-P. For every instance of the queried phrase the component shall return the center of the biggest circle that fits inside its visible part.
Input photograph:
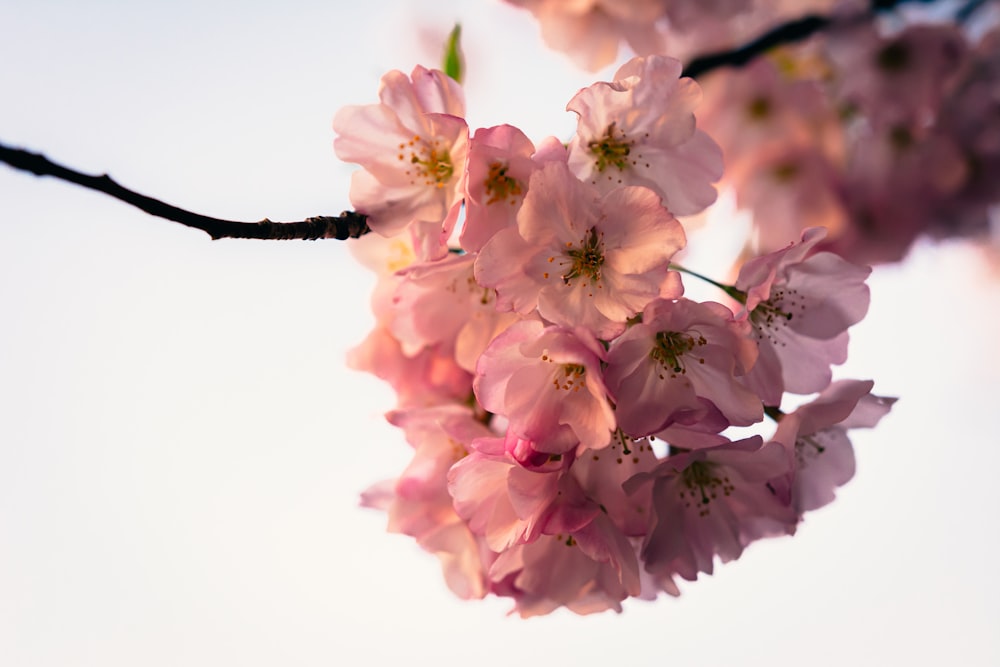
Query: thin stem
(348, 224)
(737, 294)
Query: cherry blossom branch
(348, 224)
(786, 33)
(351, 224)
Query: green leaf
(454, 61)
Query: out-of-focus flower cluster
(591, 31)
(570, 411)
(881, 128)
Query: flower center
(568, 540)
(499, 186)
(701, 484)
(785, 172)
(759, 108)
(671, 346)
(808, 448)
(893, 57)
(429, 161)
(571, 377)
(613, 149)
(586, 260)
(776, 312)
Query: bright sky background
(182, 446)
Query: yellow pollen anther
(587, 259)
(613, 149)
(499, 185)
(703, 485)
(431, 162)
(571, 377)
(670, 348)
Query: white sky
(181, 445)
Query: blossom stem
(348, 224)
(739, 295)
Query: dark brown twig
(348, 224)
(786, 33)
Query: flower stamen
(571, 377)
(613, 149)
(431, 161)
(703, 486)
(499, 186)
(671, 346)
(586, 260)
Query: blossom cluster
(571, 411)
(881, 129)
(591, 31)
(881, 137)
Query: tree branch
(351, 224)
(348, 224)
(786, 33)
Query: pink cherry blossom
(569, 410)
(783, 140)
(418, 503)
(547, 382)
(681, 352)
(800, 307)
(897, 179)
(501, 501)
(440, 303)
(790, 190)
(697, 27)
(815, 436)
(601, 475)
(590, 30)
(897, 79)
(602, 561)
(640, 130)
(430, 377)
(968, 118)
(501, 161)
(712, 502)
(580, 258)
(421, 374)
(760, 107)
(587, 572)
(512, 507)
(413, 147)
